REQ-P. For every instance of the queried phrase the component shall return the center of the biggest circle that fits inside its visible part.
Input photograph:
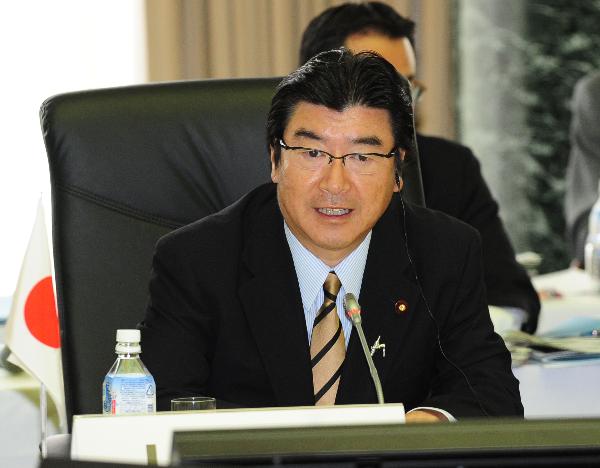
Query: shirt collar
(312, 271)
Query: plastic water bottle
(592, 244)
(128, 387)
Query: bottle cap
(128, 336)
(128, 342)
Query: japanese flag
(32, 332)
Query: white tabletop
(20, 420)
(562, 390)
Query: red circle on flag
(40, 313)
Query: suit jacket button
(401, 306)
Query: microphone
(352, 310)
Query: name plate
(147, 439)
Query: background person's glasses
(313, 159)
(417, 89)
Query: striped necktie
(327, 346)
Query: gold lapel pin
(401, 306)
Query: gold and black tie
(327, 346)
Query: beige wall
(194, 39)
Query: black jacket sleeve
(177, 331)
(473, 376)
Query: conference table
(567, 389)
(20, 420)
(547, 391)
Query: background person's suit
(453, 184)
(583, 169)
(225, 316)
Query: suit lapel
(271, 301)
(386, 281)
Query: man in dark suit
(583, 170)
(246, 304)
(452, 179)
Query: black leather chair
(128, 165)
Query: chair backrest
(128, 165)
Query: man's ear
(274, 166)
(398, 173)
(399, 182)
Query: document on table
(574, 341)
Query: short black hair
(331, 28)
(339, 79)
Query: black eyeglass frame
(343, 157)
(417, 88)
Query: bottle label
(128, 394)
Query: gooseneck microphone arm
(352, 310)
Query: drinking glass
(193, 403)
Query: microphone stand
(353, 312)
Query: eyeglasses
(313, 159)
(417, 89)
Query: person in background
(246, 305)
(452, 179)
(583, 169)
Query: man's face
(397, 51)
(332, 209)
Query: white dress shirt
(311, 273)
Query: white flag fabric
(32, 331)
